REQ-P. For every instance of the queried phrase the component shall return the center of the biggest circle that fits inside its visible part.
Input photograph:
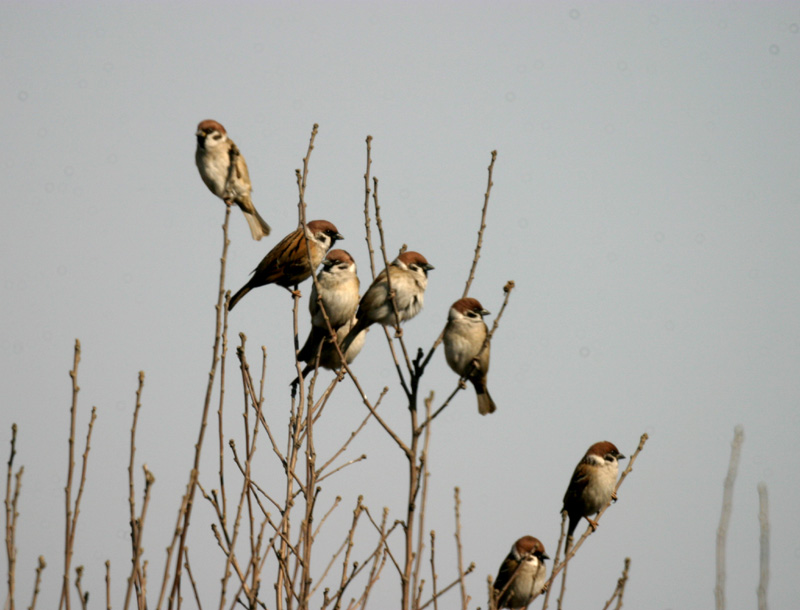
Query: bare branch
(191, 580)
(763, 520)
(619, 591)
(136, 550)
(477, 256)
(11, 499)
(108, 585)
(724, 519)
(464, 597)
(83, 597)
(467, 572)
(65, 597)
(38, 582)
(367, 222)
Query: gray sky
(646, 202)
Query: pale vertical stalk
(108, 585)
(725, 516)
(763, 520)
(11, 519)
(367, 223)
(135, 575)
(423, 501)
(37, 582)
(462, 584)
(482, 228)
(65, 597)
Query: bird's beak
(428, 267)
(485, 312)
(620, 457)
(339, 236)
(544, 556)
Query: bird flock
(222, 167)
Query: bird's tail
(310, 348)
(258, 226)
(360, 325)
(485, 403)
(238, 296)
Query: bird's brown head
(470, 307)
(414, 260)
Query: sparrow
(213, 158)
(463, 339)
(287, 263)
(409, 276)
(592, 484)
(525, 563)
(339, 291)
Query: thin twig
(136, 549)
(724, 519)
(367, 223)
(423, 465)
(83, 597)
(619, 590)
(456, 581)
(11, 498)
(392, 297)
(223, 358)
(65, 597)
(191, 580)
(464, 597)
(477, 256)
(353, 434)
(763, 520)
(108, 585)
(557, 559)
(433, 570)
(38, 582)
(75, 511)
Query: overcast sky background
(646, 201)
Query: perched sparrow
(213, 158)
(338, 288)
(530, 575)
(287, 263)
(409, 276)
(463, 339)
(592, 484)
